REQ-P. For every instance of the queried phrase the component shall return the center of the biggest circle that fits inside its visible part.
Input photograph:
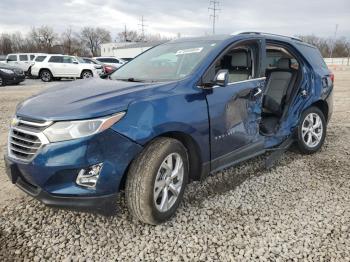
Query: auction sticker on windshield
(189, 51)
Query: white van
(21, 60)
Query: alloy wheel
(168, 182)
(87, 75)
(45, 76)
(312, 130)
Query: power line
(213, 7)
(333, 42)
(142, 25)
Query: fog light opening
(88, 177)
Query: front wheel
(46, 75)
(156, 181)
(86, 74)
(311, 130)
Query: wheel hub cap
(312, 130)
(168, 182)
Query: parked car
(50, 67)
(127, 59)
(105, 68)
(97, 65)
(21, 60)
(176, 113)
(111, 61)
(10, 75)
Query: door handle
(258, 91)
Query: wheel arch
(45, 68)
(195, 160)
(323, 106)
(85, 70)
(194, 156)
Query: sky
(187, 17)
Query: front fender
(185, 113)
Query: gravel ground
(298, 210)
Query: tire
(86, 74)
(2, 82)
(311, 131)
(46, 76)
(149, 179)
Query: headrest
(239, 59)
(283, 63)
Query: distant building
(127, 49)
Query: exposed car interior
(282, 75)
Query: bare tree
(44, 38)
(5, 44)
(71, 43)
(94, 37)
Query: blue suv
(176, 113)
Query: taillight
(332, 77)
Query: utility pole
(213, 7)
(142, 25)
(333, 43)
(125, 34)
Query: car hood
(83, 99)
(6, 66)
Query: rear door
(24, 62)
(71, 67)
(12, 60)
(235, 110)
(56, 65)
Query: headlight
(7, 71)
(67, 130)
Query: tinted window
(12, 58)
(56, 59)
(32, 57)
(313, 56)
(67, 60)
(108, 60)
(23, 58)
(40, 58)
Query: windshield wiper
(131, 79)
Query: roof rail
(262, 33)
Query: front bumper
(50, 177)
(13, 78)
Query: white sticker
(189, 51)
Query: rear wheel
(311, 130)
(2, 83)
(86, 74)
(156, 181)
(45, 75)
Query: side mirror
(221, 77)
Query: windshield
(167, 62)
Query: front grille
(26, 138)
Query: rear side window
(313, 56)
(40, 58)
(56, 59)
(67, 60)
(23, 58)
(12, 58)
(32, 57)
